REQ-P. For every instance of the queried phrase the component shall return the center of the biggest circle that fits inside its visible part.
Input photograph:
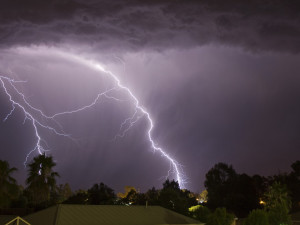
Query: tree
(101, 195)
(41, 180)
(200, 213)
(243, 196)
(296, 168)
(152, 196)
(140, 199)
(172, 197)
(278, 205)
(80, 197)
(127, 189)
(257, 217)
(63, 192)
(203, 196)
(171, 185)
(8, 185)
(220, 217)
(219, 182)
(260, 185)
(129, 196)
(239, 193)
(21, 201)
(294, 185)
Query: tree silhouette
(219, 182)
(80, 197)
(152, 196)
(101, 195)
(294, 185)
(172, 197)
(239, 193)
(220, 217)
(41, 179)
(8, 186)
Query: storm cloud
(271, 25)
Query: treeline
(241, 193)
(41, 191)
(170, 196)
(227, 195)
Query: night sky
(220, 79)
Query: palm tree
(8, 186)
(41, 179)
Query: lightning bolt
(140, 112)
(28, 116)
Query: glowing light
(262, 202)
(139, 112)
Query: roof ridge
(63, 205)
(179, 214)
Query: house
(107, 215)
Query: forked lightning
(39, 119)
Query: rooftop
(107, 215)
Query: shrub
(220, 217)
(279, 216)
(257, 217)
(200, 213)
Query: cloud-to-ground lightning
(32, 113)
(35, 122)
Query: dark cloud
(271, 25)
